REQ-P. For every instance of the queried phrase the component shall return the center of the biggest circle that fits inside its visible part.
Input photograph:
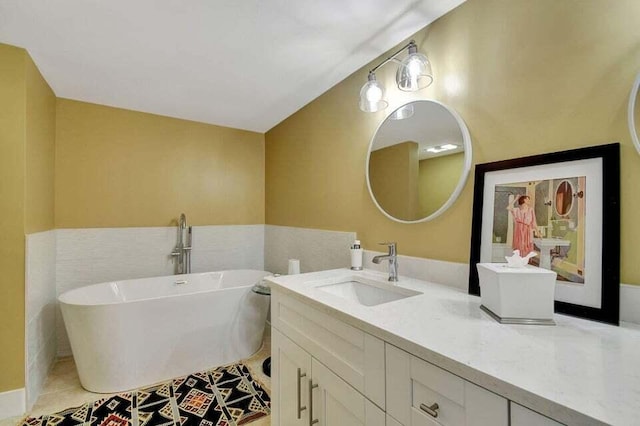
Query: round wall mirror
(418, 161)
(633, 114)
(564, 198)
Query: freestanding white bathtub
(132, 333)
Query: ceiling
(246, 64)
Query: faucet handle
(392, 247)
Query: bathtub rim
(147, 299)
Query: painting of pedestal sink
(565, 206)
(545, 216)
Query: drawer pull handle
(431, 410)
(312, 421)
(300, 407)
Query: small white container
(356, 256)
(517, 295)
(294, 266)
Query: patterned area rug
(225, 396)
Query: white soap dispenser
(356, 256)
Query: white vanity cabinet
(326, 372)
(419, 393)
(323, 367)
(305, 392)
(398, 349)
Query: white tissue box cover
(526, 293)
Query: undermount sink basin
(367, 294)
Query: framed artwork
(565, 207)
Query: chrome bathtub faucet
(181, 253)
(393, 260)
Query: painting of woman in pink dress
(524, 224)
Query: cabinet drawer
(355, 356)
(432, 385)
(448, 411)
(419, 393)
(521, 416)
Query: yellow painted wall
(40, 151)
(27, 138)
(527, 77)
(437, 179)
(12, 160)
(119, 168)
(393, 172)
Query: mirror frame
(631, 113)
(468, 157)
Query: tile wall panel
(448, 273)
(217, 248)
(40, 271)
(315, 248)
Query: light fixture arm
(412, 43)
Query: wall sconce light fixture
(414, 73)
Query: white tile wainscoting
(630, 303)
(452, 274)
(316, 249)
(227, 247)
(40, 315)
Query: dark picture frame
(608, 156)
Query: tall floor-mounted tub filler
(181, 253)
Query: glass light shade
(372, 96)
(402, 113)
(414, 72)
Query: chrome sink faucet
(182, 251)
(393, 261)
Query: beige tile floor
(62, 388)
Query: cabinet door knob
(431, 410)
(300, 407)
(312, 421)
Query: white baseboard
(630, 303)
(13, 403)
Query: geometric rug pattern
(225, 396)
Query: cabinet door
(290, 378)
(335, 403)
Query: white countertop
(577, 372)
